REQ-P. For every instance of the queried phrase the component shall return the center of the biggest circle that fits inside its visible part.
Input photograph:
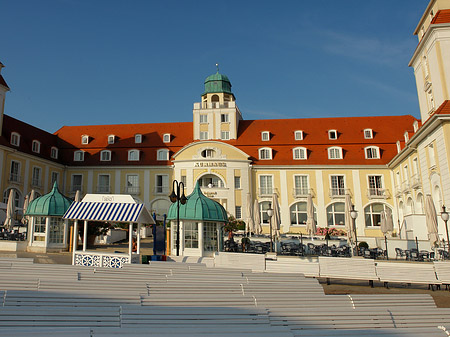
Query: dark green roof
(51, 204)
(217, 83)
(199, 207)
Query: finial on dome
(217, 65)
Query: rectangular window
(36, 178)
(162, 184)
(225, 135)
(166, 138)
(138, 138)
(203, 135)
(301, 185)
(105, 156)
(265, 185)
(405, 173)
(15, 171)
(224, 118)
(183, 180)
(375, 186)
(265, 154)
(54, 153)
(372, 153)
(238, 212)
(55, 177)
(299, 153)
(334, 153)
(36, 146)
(77, 180)
(111, 139)
(78, 156)
(132, 184)
(337, 185)
(84, 139)
(298, 135)
(15, 139)
(203, 118)
(103, 183)
(368, 134)
(237, 182)
(332, 134)
(265, 136)
(190, 235)
(431, 155)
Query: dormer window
(133, 155)
(298, 135)
(84, 139)
(334, 152)
(163, 154)
(406, 135)
(54, 152)
(416, 126)
(265, 153)
(368, 134)
(332, 134)
(137, 138)
(78, 156)
(399, 148)
(111, 139)
(372, 152)
(224, 118)
(166, 138)
(105, 155)
(36, 146)
(15, 139)
(300, 153)
(265, 136)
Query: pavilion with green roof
(201, 224)
(47, 229)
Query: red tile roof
(386, 129)
(442, 16)
(444, 109)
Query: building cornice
(31, 157)
(424, 39)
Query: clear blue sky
(81, 62)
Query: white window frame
(262, 153)
(237, 182)
(107, 153)
(15, 139)
(204, 135)
(266, 190)
(111, 139)
(15, 176)
(338, 190)
(84, 139)
(137, 138)
(54, 152)
(131, 154)
(36, 176)
(368, 134)
(78, 155)
(372, 152)
(132, 189)
(265, 136)
(36, 146)
(224, 118)
(74, 187)
(331, 210)
(375, 190)
(162, 154)
(332, 153)
(238, 212)
(166, 138)
(52, 176)
(300, 189)
(225, 135)
(208, 153)
(203, 118)
(161, 189)
(298, 135)
(107, 188)
(406, 136)
(300, 153)
(399, 147)
(331, 132)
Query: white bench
(347, 268)
(442, 272)
(407, 272)
(308, 266)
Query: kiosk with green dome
(201, 223)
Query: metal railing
(267, 191)
(36, 182)
(132, 190)
(415, 181)
(339, 192)
(378, 193)
(302, 192)
(162, 190)
(15, 178)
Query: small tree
(233, 225)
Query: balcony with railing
(214, 105)
(300, 192)
(416, 182)
(36, 183)
(103, 189)
(267, 191)
(339, 192)
(405, 187)
(15, 178)
(378, 193)
(161, 190)
(134, 190)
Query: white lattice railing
(106, 260)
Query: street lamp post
(354, 215)
(176, 198)
(445, 216)
(269, 214)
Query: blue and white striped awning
(108, 211)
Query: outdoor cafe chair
(399, 253)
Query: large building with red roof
(385, 164)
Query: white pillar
(130, 239)
(75, 240)
(47, 231)
(31, 231)
(85, 236)
(138, 239)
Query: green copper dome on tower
(199, 207)
(51, 204)
(217, 83)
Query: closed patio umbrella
(310, 222)
(250, 224)
(257, 218)
(10, 209)
(431, 217)
(25, 206)
(349, 221)
(276, 218)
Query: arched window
(372, 214)
(163, 154)
(105, 155)
(17, 196)
(208, 153)
(211, 181)
(409, 206)
(372, 152)
(36, 146)
(299, 214)
(15, 139)
(133, 155)
(336, 214)
(265, 153)
(215, 98)
(419, 204)
(300, 153)
(334, 152)
(160, 206)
